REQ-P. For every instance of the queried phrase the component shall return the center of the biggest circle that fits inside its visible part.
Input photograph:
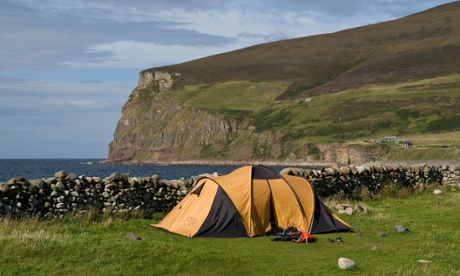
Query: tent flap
(223, 220)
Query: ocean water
(45, 168)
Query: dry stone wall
(353, 181)
(67, 193)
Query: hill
(328, 97)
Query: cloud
(137, 54)
(141, 34)
(39, 97)
(58, 119)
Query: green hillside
(293, 98)
(408, 110)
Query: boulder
(345, 263)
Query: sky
(68, 66)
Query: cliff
(154, 128)
(158, 129)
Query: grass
(98, 246)
(423, 106)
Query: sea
(46, 168)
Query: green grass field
(98, 245)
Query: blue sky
(67, 67)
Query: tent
(250, 201)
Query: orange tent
(250, 201)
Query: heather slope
(419, 46)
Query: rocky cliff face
(155, 128)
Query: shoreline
(298, 163)
(226, 163)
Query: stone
(61, 205)
(61, 199)
(330, 171)
(4, 187)
(349, 211)
(60, 186)
(346, 210)
(400, 229)
(60, 174)
(132, 181)
(113, 177)
(110, 186)
(354, 171)
(424, 261)
(33, 189)
(7, 209)
(437, 192)
(146, 197)
(361, 169)
(343, 206)
(134, 237)
(171, 183)
(345, 263)
(345, 170)
(33, 201)
(77, 188)
(37, 183)
(71, 176)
